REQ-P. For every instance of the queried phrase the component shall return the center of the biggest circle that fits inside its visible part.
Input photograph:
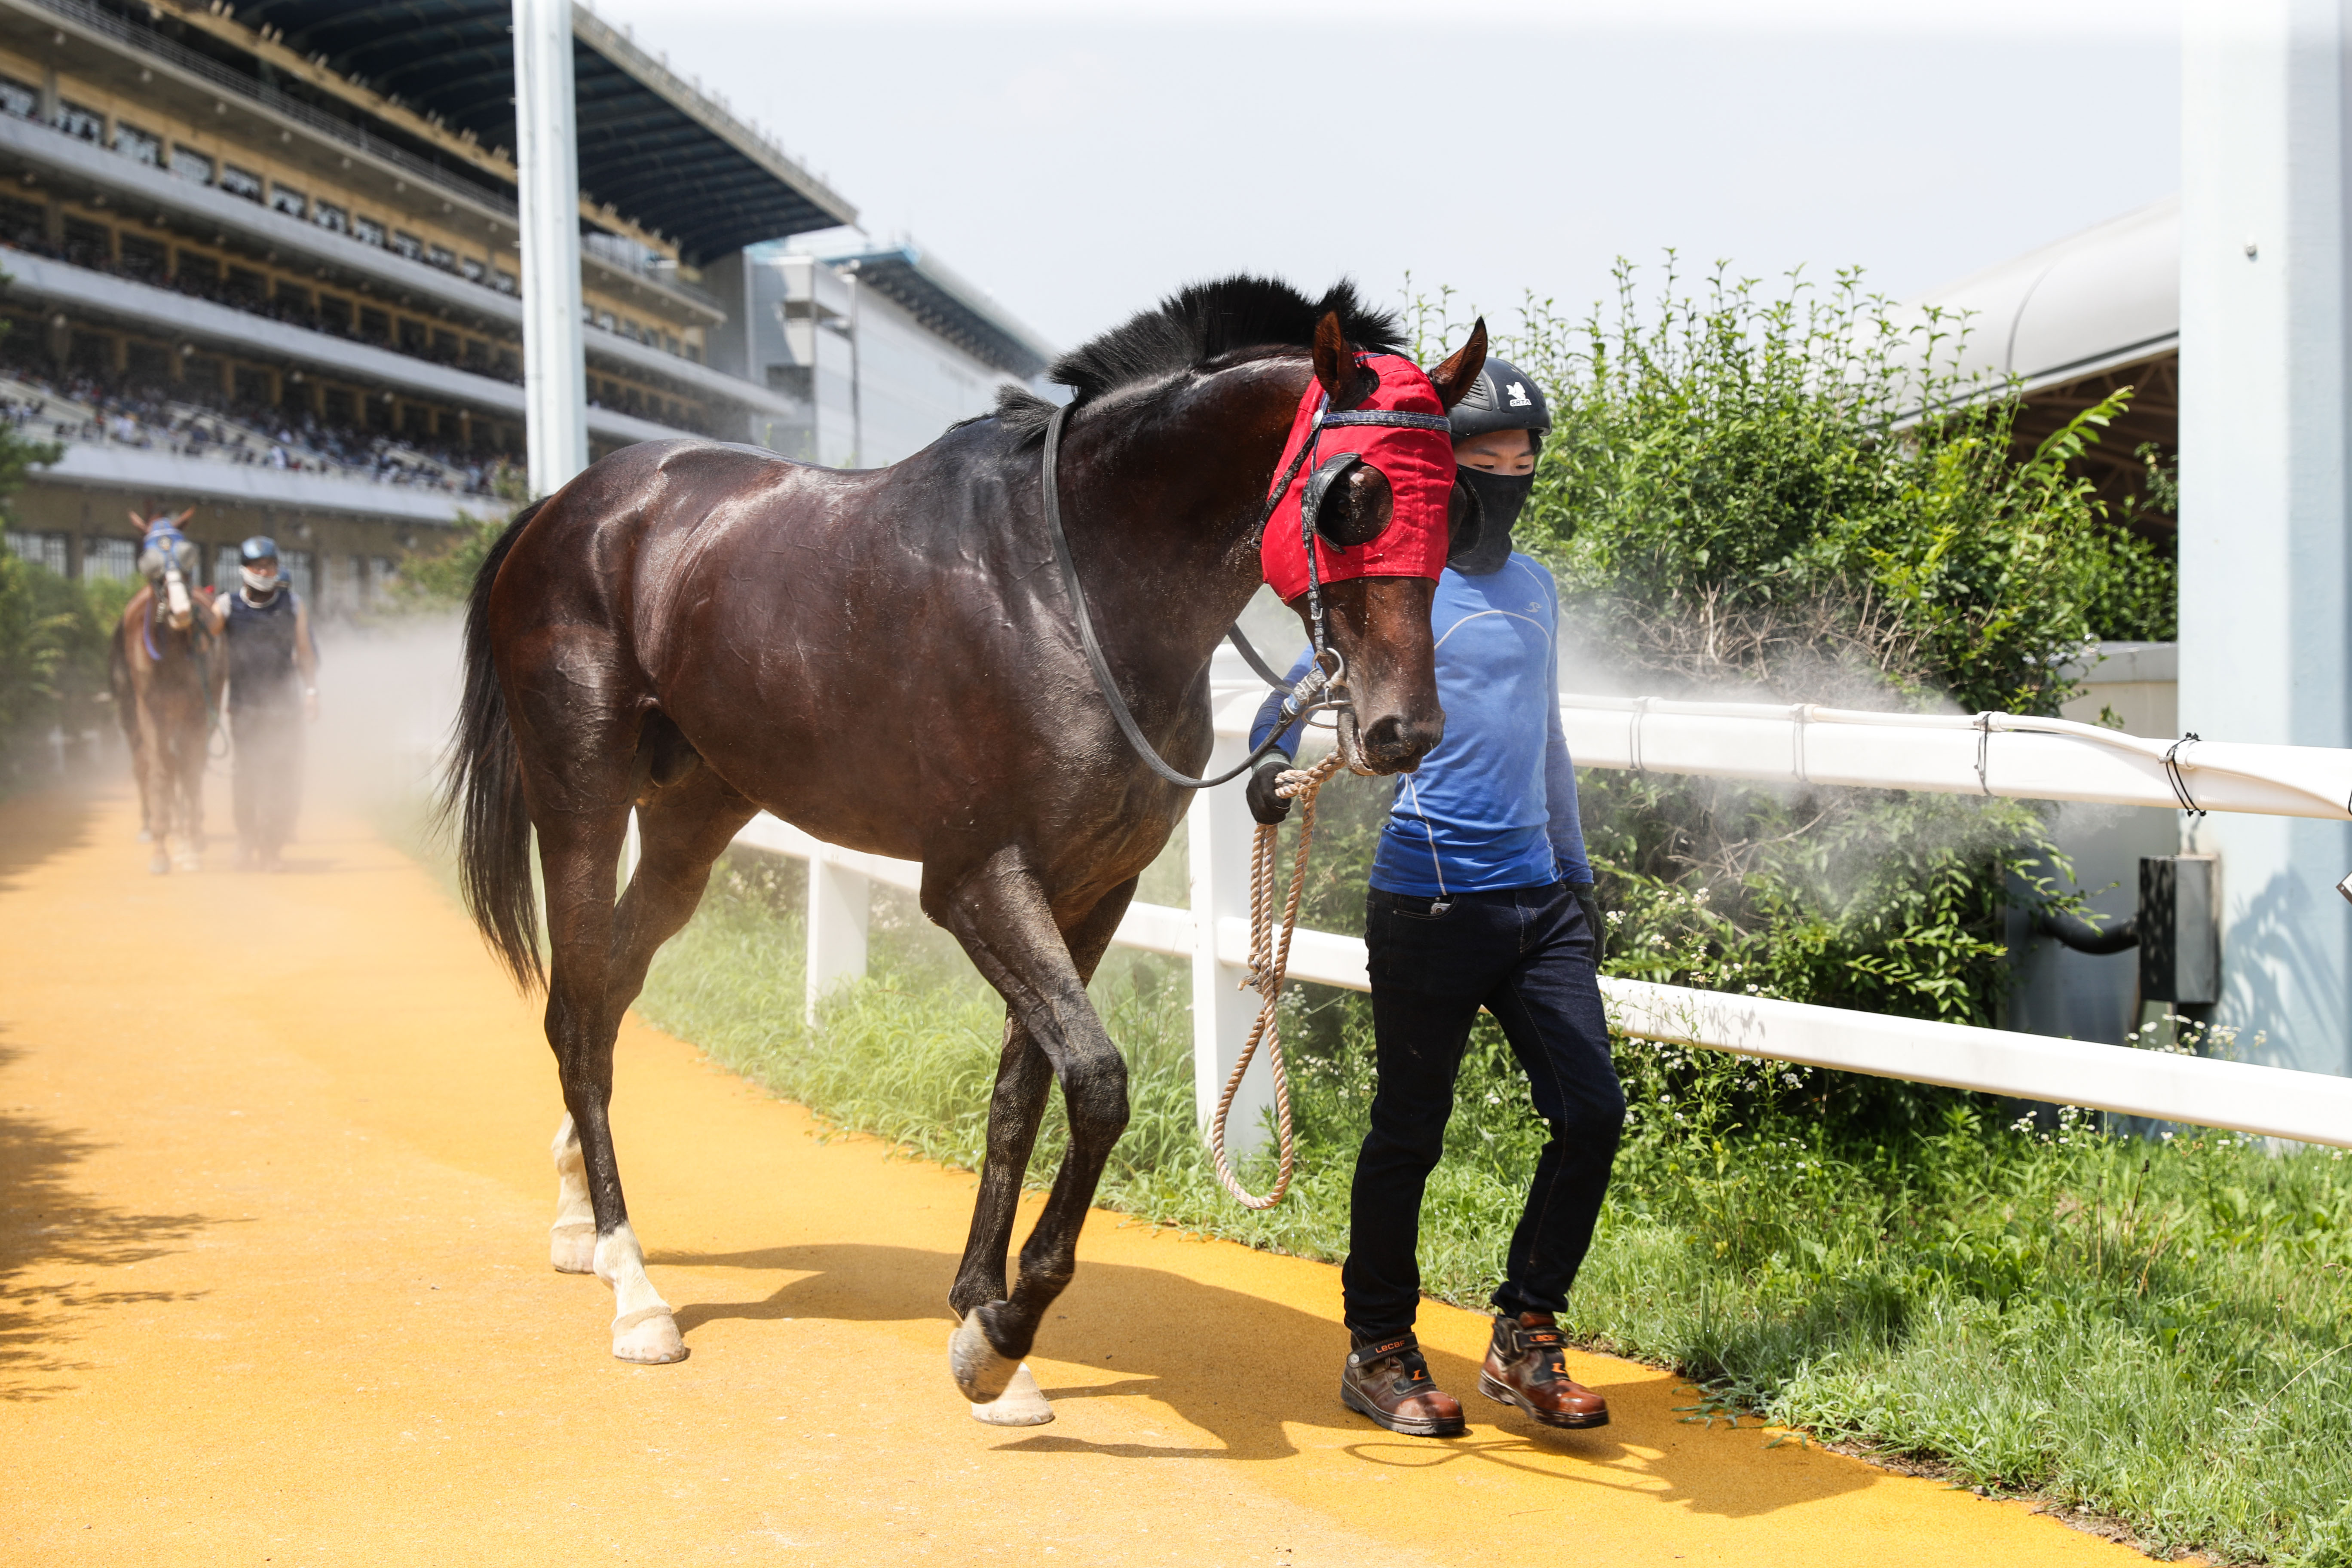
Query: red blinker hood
(1417, 463)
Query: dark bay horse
(888, 659)
(166, 688)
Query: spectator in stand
(149, 417)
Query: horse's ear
(1335, 357)
(139, 523)
(192, 511)
(1459, 372)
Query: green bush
(438, 581)
(1794, 497)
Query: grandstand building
(262, 261)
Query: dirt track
(273, 1194)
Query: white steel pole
(1218, 836)
(840, 905)
(555, 373)
(2265, 396)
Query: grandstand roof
(2107, 297)
(652, 145)
(965, 314)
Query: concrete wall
(2079, 996)
(870, 385)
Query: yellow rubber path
(273, 1192)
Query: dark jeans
(1524, 954)
(265, 789)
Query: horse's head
(168, 560)
(1358, 541)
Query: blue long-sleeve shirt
(1495, 804)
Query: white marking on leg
(643, 1329)
(1022, 1403)
(571, 1239)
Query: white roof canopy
(2107, 297)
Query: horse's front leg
(1024, 1076)
(155, 767)
(1001, 916)
(188, 782)
(578, 854)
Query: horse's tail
(481, 790)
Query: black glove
(1590, 905)
(1265, 804)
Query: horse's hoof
(146, 836)
(159, 865)
(571, 1245)
(189, 862)
(1021, 1403)
(648, 1336)
(978, 1370)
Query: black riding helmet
(250, 555)
(1501, 398)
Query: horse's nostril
(1394, 744)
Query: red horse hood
(1418, 465)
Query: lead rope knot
(1269, 966)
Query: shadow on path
(1244, 1369)
(42, 824)
(71, 1242)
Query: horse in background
(166, 686)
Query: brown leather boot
(1524, 1368)
(1388, 1381)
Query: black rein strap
(1101, 667)
(1251, 656)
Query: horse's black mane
(1199, 323)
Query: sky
(1080, 161)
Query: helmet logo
(1519, 395)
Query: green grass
(2155, 1330)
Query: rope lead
(1269, 967)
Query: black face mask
(1481, 545)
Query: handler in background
(1480, 897)
(273, 686)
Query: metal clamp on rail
(2172, 774)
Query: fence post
(1217, 847)
(839, 900)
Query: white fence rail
(1989, 754)
(1997, 754)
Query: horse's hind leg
(1002, 917)
(684, 828)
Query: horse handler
(1480, 897)
(273, 686)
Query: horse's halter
(1327, 670)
